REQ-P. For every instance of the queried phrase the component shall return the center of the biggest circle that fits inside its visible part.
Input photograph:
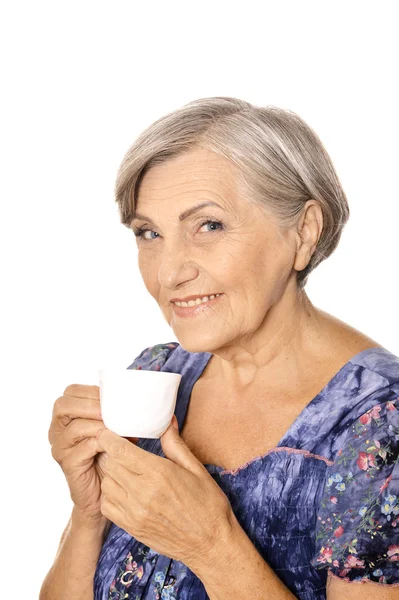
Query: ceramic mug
(137, 403)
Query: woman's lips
(192, 311)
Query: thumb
(176, 449)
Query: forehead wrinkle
(199, 195)
(224, 204)
(223, 189)
(196, 170)
(224, 183)
(183, 164)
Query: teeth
(197, 301)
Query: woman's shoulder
(357, 349)
(374, 386)
(379, 360)
(369, 382)
(153, 358)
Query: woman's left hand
(170, 504)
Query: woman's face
(239, 254)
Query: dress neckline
(199, 362)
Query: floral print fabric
(358, 523)
(325, 499)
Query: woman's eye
(139, 233)
(209, 222)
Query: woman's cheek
(148, 264)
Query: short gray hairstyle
(279, 158)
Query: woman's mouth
(197, 309)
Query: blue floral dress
(324, 500)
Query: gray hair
(280, 159)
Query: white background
(80, 80)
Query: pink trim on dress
(306, 454)
(365, 580)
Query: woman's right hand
(76, 422)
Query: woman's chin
(199, 342)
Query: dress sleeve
(357, 528)
(154, 357)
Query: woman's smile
(192, 311)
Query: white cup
(137, 403)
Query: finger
(83, 391)
(67, 408)
(125, 453)
(79, 429)
(120, 474)
(80, 454)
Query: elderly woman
(279, 477)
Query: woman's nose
(176, 266)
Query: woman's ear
(309, 228)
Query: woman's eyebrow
(184, 215)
